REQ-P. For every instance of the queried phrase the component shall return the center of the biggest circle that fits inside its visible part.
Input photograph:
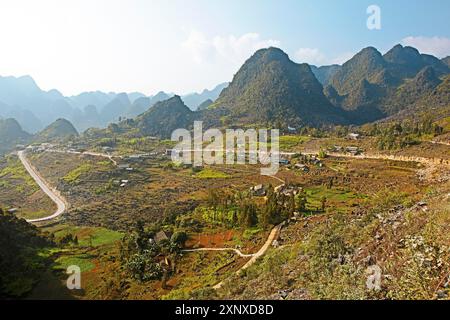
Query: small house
(123, 166)
(292, 129)
(353, 150)
(302, 167)
(12, 210)
(258, 190)
(135, 158)
(354, 136)
(279, 188)
(161, 236)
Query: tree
(179, 238)
(213, 199)
(248, 214)
(323, 202)
(330, 183)
(291, 205)
(143, 268)
(142, 237)
(300, 201)
(322, 154)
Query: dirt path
(53, 194)
(440, 142)
(254, 257)
(238, 252)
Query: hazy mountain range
(268, 90)
(34, 109)
(271, 90)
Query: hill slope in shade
(446, 60)
(11, 133)
(20, 262)
(440, 96)
(412, 90)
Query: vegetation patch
(209, 173)
(287, 143)
(83, 261)
(73, 177)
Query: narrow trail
(52, 193)
(238, 252)
(254, 257)
(441, 142)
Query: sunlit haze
(183, 46)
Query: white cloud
(238, 49)
(230, 48)
(316, 57)
(198, 46)
(437, 46)
(310, 55)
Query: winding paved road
(56, 197)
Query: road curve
(53, 194)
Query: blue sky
(188, 45)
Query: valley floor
(390, 210)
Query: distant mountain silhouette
(194, 100)
(325, 73)
(205, 105)
(268, 90)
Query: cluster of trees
(68, 239)
(242, 209)
(145, 259)
(403, 134)
(390, 135)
